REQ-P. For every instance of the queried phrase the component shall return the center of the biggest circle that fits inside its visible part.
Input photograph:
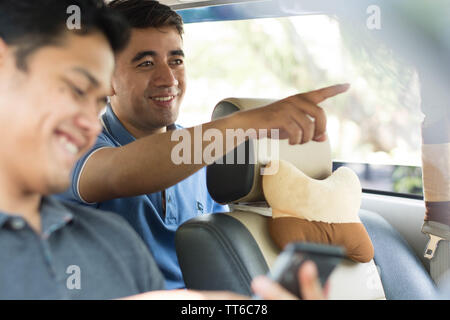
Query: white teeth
(163, 98)
(69, 146)
(73, 149)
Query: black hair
(32, 24)
(142, 14)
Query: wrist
(241, 120)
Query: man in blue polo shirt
(155, 216)
(128, 171)
(148, 94)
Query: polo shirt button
(17, 223)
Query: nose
(164, 76)
(89, 123)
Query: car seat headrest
(241, 182)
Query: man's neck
(137, 133)
(133, 130)
(15, 201)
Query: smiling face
(149, 81)
(49, 113)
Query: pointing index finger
(317, 96)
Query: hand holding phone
(285, 269)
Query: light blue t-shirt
(185, 200)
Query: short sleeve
(218, 208)
(72, 194)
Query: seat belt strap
(441, 262)
(436, 183)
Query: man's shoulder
(108, 221)
(105, 138)
(106, 225)
(107, 233)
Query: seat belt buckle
(431, 247)
(437, 232)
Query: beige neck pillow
(322, 211)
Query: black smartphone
(285, 269)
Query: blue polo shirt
(185, 200)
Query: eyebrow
(88, 75)
(142, 54)
(176, 53)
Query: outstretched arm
(145, 166)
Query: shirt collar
(116, 129)
(54, 215)
(3, 219)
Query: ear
(3, 51)
(7, 58)
(112, 82)
(113, 92)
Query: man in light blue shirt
(131, 171)
(157, 70)
(155, 217)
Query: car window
(375, 128)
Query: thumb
(309, 282)
(268, 289)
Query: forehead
(161, 40)
(91, 52)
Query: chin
(167, 117)
(57, 185)
(164, 122)
(172, 119)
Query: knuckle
(286, 105)
(308, 125)
(308, 132)
(320, 112)
(294, 100)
